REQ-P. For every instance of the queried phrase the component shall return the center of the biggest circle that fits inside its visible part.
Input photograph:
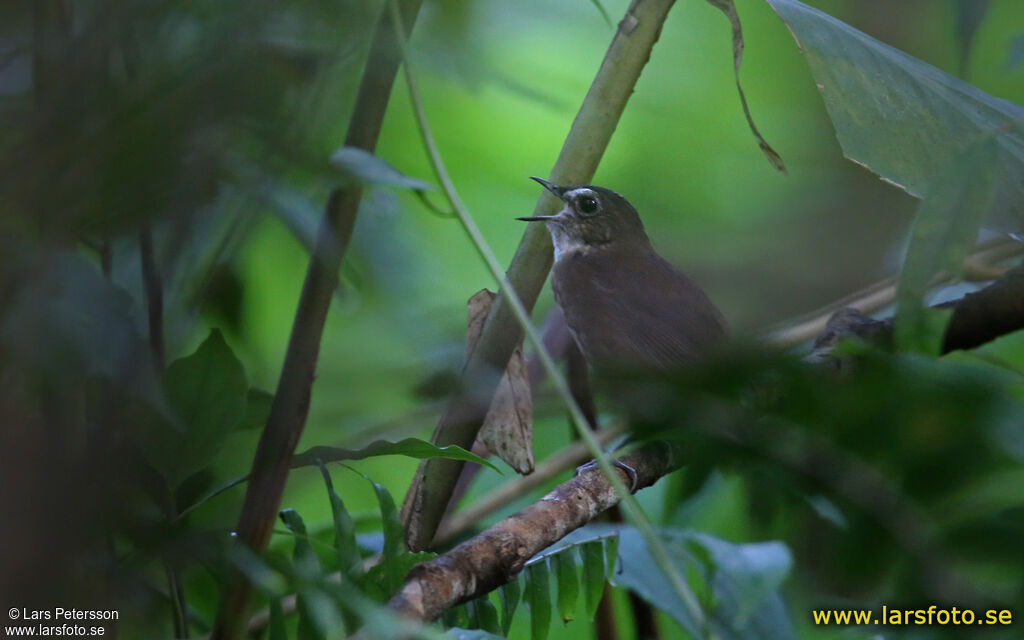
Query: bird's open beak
(554, 189)
(535, 218)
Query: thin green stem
(632, 508)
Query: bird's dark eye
(587, 205)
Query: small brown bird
(625, 305)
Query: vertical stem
(291, 401)
(154, 297)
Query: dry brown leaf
(729, 9)
(508, 428)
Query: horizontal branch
(571, 456)
(984, 265)
(978, 318)
(492, 558)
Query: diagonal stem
(588, 138)
(632, 508)
(291, 401)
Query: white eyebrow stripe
(578, 192)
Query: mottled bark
(496, 555)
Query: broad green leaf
(410, 447)
(744, 580)
(257, 409)
(703, 565)
(207, 390)
(902, 118)
(593, 576)
(508, 595)
(746, 575)
(538, 599)
(366, 167)
(349, 559)
(568, 584)
(944, 231)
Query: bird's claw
(631, 473)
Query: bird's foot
(631, 473)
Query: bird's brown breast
(634, 309)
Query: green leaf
(508, 595)
(257, 570)
(207, 390)
(307, 565)
(350, 561)
(378, 580)
(394, 543)
(593, 576)
(944, 231)
(277, 629)
(319, 616)
(538, 599)
(70, 322)
(486, 615)
(257, 409)
(568, 584)
(611, 552)
(744, 580)
(460, 616)
(703, 565)
(746, 575)
(368, 168)
(902, 118)
(410, 447)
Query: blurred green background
(212, 125)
